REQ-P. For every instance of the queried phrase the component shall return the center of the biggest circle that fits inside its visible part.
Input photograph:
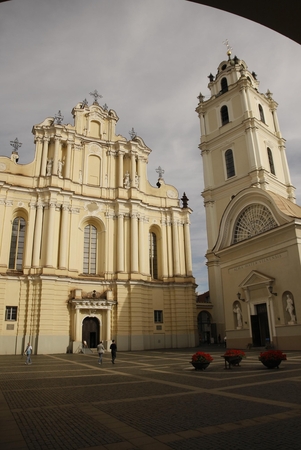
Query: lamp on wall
(270, 288)
(239, 297)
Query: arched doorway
(90, 332)
(204, 327)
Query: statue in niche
(238, 313)
(290, 308)
(49, 167)
(126, 181)
(136, 180)
(60, 168)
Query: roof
(286, 206)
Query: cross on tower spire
(229, 48)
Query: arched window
(254, 219)
(224, 115)
(271, 161)
(224, 85)
(17, 244)
(153, 259)
(261, 113)
(90, 250)
(229, 160)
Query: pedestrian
(219, 339)
(100, 351)
(113, 348)
(225, 341)
(28, 352)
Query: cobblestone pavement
(149, 400)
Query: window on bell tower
(229, 160)
(261, 113)
(224, 115)
(271, 161)
(224, 85)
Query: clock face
(255, 219)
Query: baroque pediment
(255, 279)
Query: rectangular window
(11, 313)
(158, 316)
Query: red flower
(233, 352)
(272, 355)
(201, 357)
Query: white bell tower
(241, 146)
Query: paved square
(148, 400)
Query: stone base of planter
(271, 364)
(232, 361)
(199, 365)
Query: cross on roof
(160, 171)
(132, 133)
(96, 95)
(15, 144)
(58, 118)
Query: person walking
(113, 348)
(100, 351)
(28, 352)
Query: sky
(149, 59)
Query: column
(164, 250)
(108, 327)
(120, 169)
(50, 234)
(44, 156)
(77, 328)
(187, 244)
(141, 246)
(120, 243)
(68, 160)
(38, 156)
(244, 100)
(134, 243)
(175, 241)
(57, 141)
(6, 232)
(37, 236)
(63, 237)
(29, 236)
(133, 169)
(169, 248)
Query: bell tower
(242, 148)
(241, 143)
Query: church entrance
(90, 332)
(260, 326)
(206, 329)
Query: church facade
(253, 221)
(90, 250)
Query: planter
(200, 365)
(271, 364)
(232, 361)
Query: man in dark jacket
(113, 348)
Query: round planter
(272, 364)
(233, 360)
(200, 365)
